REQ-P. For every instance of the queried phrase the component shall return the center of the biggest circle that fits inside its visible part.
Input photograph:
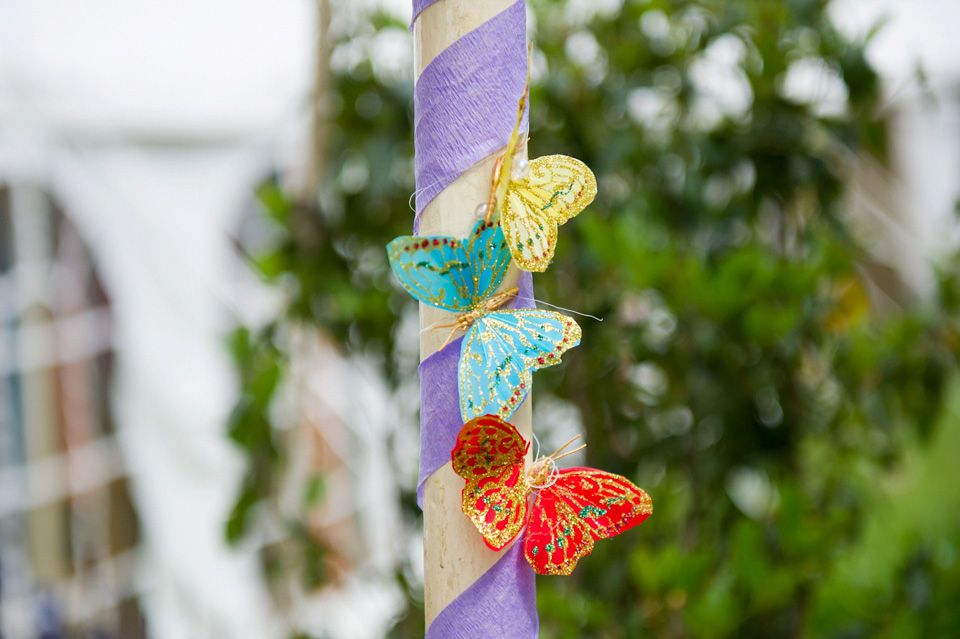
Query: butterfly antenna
(570, 452)
(437, 325)
(569, 310)
(536, 441)
(417, 193)
(560, 450)
(429, 328)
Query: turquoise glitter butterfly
(502, 347)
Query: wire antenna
(569, 310)
(536, 441)
(557, 454)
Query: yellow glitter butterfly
(535, 198)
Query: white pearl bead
(521, 167)
(481, 210)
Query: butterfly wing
(449, 273)
(435, 270)
(581, 506)
(500, 352)
(488, 257)
(489, 455)
(556, 188)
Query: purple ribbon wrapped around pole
(465, 108)
(465, 101)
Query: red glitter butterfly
(571, 508)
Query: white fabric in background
(158, 227)
(151, 122)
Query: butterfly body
(570, 510)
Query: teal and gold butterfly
(502, 347)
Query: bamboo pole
(316, 156)
(454, 553)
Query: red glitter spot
(540, 360)
(436, 242)
(522, 385)
(550, 356)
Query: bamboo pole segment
(454, 553)
(319, 110)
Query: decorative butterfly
(501, 348)
(571, 508)
(534, 198)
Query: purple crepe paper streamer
(464, 110)
(440, 419)
(465, 101)
(502, 603)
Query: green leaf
(239, 519)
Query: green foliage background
(797, 442)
